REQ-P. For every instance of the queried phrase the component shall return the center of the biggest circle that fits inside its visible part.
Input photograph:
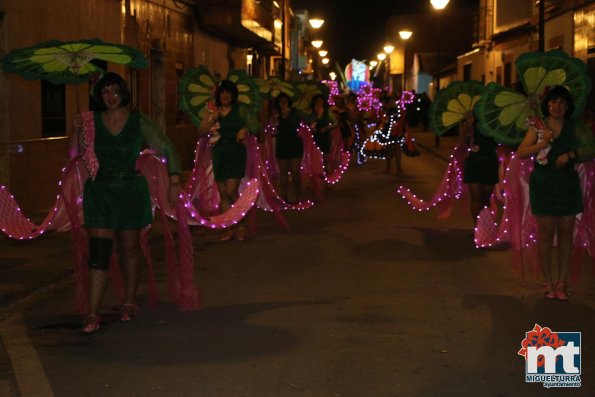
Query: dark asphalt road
(361, 297)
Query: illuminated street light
(373, 63)
(323, 53)
(405, 34)
(325, 61)
(316, 23)
(388, 49)
(317, 43)
(381, 56)
(439, 4)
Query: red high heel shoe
(242, 234)
(128, 311)
(91, 324)
(228, 235)
(549, 292)
(562, 292)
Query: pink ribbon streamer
(451, 187)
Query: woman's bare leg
(565, 234)
(131, 257)
(546, 229)
(296, 177)
(283, 177)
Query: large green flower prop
(197, 89)
(69, 62)
(502, 112)
(273, 86)
(453, 103)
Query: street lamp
(317, 43)
(404, 35)
(388, 49)
(325, 61)
(323, 53)
(439, 5)
(316, 23)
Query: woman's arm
(530, 145)
(157, 141)
(464, 128)
(207, 123)
(75, 143)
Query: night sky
(358, 31)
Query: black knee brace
(100, 252)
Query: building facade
(175, 35)
(506, 29)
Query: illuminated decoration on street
(334, 91)
(368, 99)
(357, 75)
(374, 146)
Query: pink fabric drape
(450, 189)
(517, 226)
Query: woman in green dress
(322, 122)
(554, 186)
(116, 202)
(288, 146)
(230, 122)
(480, 168)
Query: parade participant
(481, 166)
(288, 146)
(554, 187)
(230, 121)
(322, 122)
(393, 131)
(116, 201)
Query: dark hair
(111, 78)
(226, 85)
(558, 91)
(317, 97)
(281, 96)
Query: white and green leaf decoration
(538, 78)
(502, 112)
(273, 86)
(248, 93)
(69, 62)
(203, 90)
(453, 103)
(457, 107)
(515, 108)
(196, 89)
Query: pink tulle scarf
(517, 226)
(451, 187)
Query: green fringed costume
(229, 155)
(118, 198)
(557, 191)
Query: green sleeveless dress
(481, 164)
(323, 139)
(229, 156)
(557, 191)
(119, 198)
(288, 144)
